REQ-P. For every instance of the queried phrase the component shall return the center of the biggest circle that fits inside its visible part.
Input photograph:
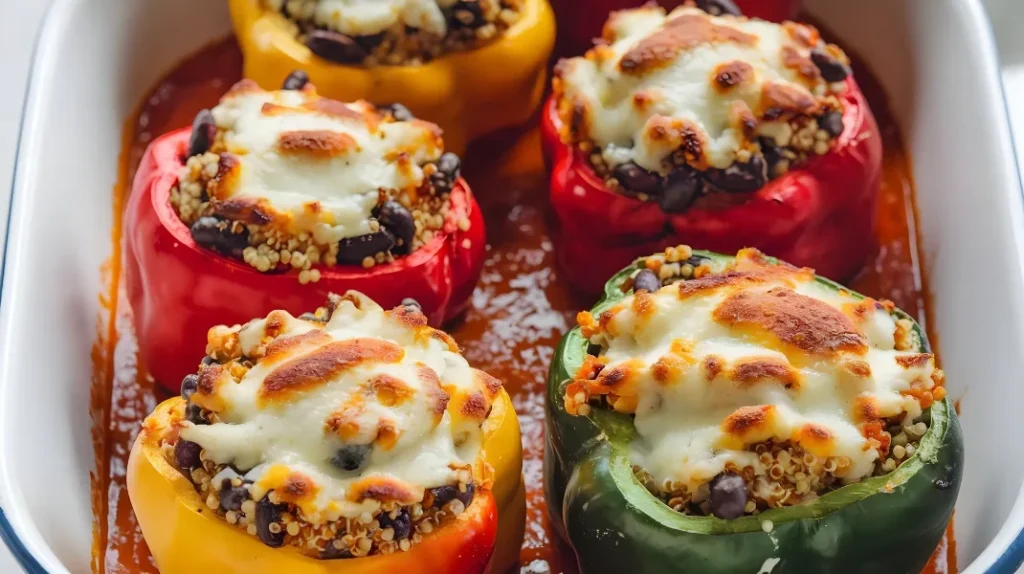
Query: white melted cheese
(332, 197)
(291, 433)
(368, 17)
(681, 422)
(681, 89)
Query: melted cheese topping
(688, 80)
(367, 377)
(308, 164)
(368, 17)
(752, 353)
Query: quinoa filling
(401, 222)
(651, 145)
(412, 31)
(225, 489)
(787, 474)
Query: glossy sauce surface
(519, 311)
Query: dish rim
(42, 56)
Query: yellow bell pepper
(186, 537)
(469, 93)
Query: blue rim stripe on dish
(1009, 561)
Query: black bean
(719, 7)
(186, 455)
(295, 80)
(636, 179)
(397, 219)
(646, 280)
(335, 46)
(397, 111)
(334, 553)
(352, 457)
(352, 250)
(832, 70)
(832, 123)
(739, 177)
(232, 497)
(771, 152)
(189, 385)
(449, 167)
(681, 189)
(194, 414)
(268, 513)
(697, 260)
(468, 14)
(401, 523)
(216, 234)
(203, 131)
(208, 360)
(445, 494)
(728, 496)
(410, 302)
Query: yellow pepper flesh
(469, 93)
(185, 536)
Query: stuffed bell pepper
(717, 131)
(472, 66)
(273, 199)
(349, 440)
(718, 414)
(580, 21)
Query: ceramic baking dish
(95, 59)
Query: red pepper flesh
(820, 215)
(580, 21)
(178, 290)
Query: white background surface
(19, 22)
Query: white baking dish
(96, 58)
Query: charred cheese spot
(409, 316)
(323, 364)
(857, 368)
(475, 406)
(619, 379)
(344, 422)
(384, 489)
(805, 323)
(743, 118)
(751, 424)
(866, 408)
(226, 181)
(339, 110)
(677, 35)
(712, 366)
(803, 35)
(815, 438)
(283, 347)
(391, 391)
(643, 100)
(755, 370)
(914, 361)
(387, 434)
(242, 87)
(211, 379)
(710, 283)
(253, 210)
(643, 305)
(490, 385)
(780, 101)
(316, 144)
(731, 74)
(801, 63)
(668, 369)
(437, 398)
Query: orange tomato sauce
(519, 311)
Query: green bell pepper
(889, 523)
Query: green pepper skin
(889, 523)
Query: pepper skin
(185, 536)
(580, 21)
(496, 85)
(890, 523)
(820, 215)
(179, 290)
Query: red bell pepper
(819, 215)
(580, 21)
(178, 290)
